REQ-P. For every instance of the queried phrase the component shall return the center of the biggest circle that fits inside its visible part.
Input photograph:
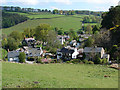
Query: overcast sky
(94, 5)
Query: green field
(33, 15)
(58, 76)
(65, 22)
(60, 21)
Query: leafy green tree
(55, 11)
(86, 19)
(95, 28)
(52, 40)
(4, 43)
(12, 44)
(22, 57)
(60, 32)
(89, 29)
(16, 35)
(111, 18)
(41, 32)
(73, 34)
(29, 32)
(89, 42)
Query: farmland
(33, 15)
(58, 76)
(60, 21)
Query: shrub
(85, 61)
(81, 62)
(91, 62)
(97, 60)
(67, 61)
(59, 61)
(104, 61)
(39, 60)
(75, 61)
(52, 61)
(22, 57)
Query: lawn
(58, 76)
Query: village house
(62, 38)
(67, 53)
(90, 52)
(13, 56)
(28, 41)
(30, 52)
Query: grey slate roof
(13, 54)
(34, 52)
(93, 49)
(67, 51)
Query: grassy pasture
(60, 21)
(58, 76)
(65, 22)
(33, 15)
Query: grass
(60, 21)
(58, 76)
(33, 15)
(66, 22)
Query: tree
(95, 28)
(16, 35)
(89, 42)
(55, 11)
(89, 29)
(12, 44)
(29, 32)
(52, 40)
(111, 18)
(41, 32)
(60, 32)
(22, 57)
(86, 19)
(73, 34)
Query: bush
(104, 61)
(97, 60)
(22, 57)
(85, 61)
(59, 61)
(81, 62)
(75, 61)
(67, 61)
(39, 60)
(91, 62)
(52, 61)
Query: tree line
(73, 12)
(25, 10)
(9, 19)
(55, 11)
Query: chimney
(8, 50)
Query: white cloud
(27, 2)
(67, 2)
(111, 2)
(52, 7)
(3, 1)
